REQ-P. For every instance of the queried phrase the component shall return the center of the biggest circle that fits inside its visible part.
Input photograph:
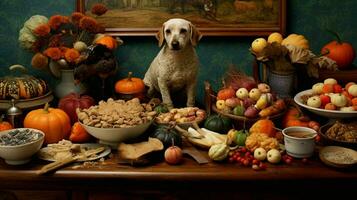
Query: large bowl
(21, 154)
(334, 142)
(335, 114)
(114, 136)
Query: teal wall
(307, 17)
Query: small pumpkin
(4, 125)
(226, 93)
(54, 122)
(22, 87)
(218, 123)
(265, 126)
(107, 41)
(293, 117)
(130, 85)
(173, 155)
(167, 135)
(79, 134)
(218, 152)
(72, 101)
(296, 40)
(341, 52)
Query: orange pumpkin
(226, 93)
(107, 41)
(79, 134)
(341, 52)
(54, 122)
(263, 126)
(293, 117)
(4, 125)
(130, 85)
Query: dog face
(177, 33)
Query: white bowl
(299, 147)
(114, 136)
(21, 154)
(335, 114)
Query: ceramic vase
(67, 84)
(283, 84)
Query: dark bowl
(330, 141)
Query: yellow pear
(275, 37)
(258, 45)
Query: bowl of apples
(329, 99)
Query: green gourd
(167, 135)
(218, 152)
(218, 123)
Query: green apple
(239, 110)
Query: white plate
(104, 153)
(335, 114)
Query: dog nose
(175, 45)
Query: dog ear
(195, 35)
(160, 36)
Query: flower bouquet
(62, 42)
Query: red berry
(255, 162)
(304, 160)
(262, 166)
(246, 163)
(288, 161)
(243, 149)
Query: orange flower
(42, 30)
(71, 55)
(99, 9)
(53, 52)
(57, 20)
(55, 41)
(89, 24)
(76, 17)
(63, 51)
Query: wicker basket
(238, 121)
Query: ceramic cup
(299, 141)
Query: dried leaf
(299, 55)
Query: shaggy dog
(176, 65)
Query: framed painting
(211, 17)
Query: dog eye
(168, 31)
(182, 31)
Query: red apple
(248, 102)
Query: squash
(265, 126)
(296, 40)
(167, 135)
(107, 41)
(218, 152)
(173, 155)
(79, 134)
(23, 87)
(341, 52)
(54, 122)
(293, 117)
(72, 101)
(4, 125)
(226, 93)
(218, 123)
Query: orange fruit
(327, 88)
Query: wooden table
(162, 181)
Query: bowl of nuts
(183, 117)
(116, 121)
(17, 146)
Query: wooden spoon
(336, 156)
(59, 163)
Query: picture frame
(223, 18)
